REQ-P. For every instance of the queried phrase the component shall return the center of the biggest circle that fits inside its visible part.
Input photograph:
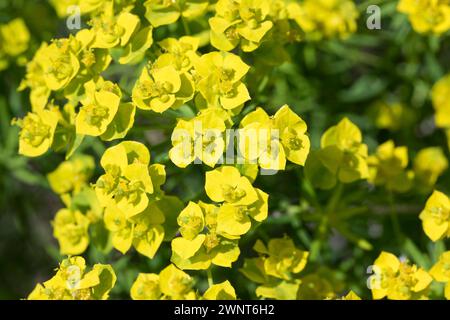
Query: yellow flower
(167, 12)
(220, 291)
(127, 183)
(161, 88)
(243, 21)
(441, 272)
(219, 80)
(436, 216)
(388, 167)
(72, 175)
(429, 164)
(146, 287)
(37, 131)
(179, 53)
(72, 282)
(325, 18)
(71, 230)
(200, 138)
(143, 231)
(226, 184)
(440, 96)
(14, 37)
(391, 116)
(281, 258)
(342, 157)
(427, 16)
(200, 244)
(397, 280)
(99, 108)
(176, 284)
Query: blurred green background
(325, 81)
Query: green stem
(210, 277)
(186, 28)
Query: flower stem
(210, 277)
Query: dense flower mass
(147, 95)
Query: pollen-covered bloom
(441, 272)
(436, 216)
(180, 53)
(219, 80)
(74, 282)
(200, 244)
(202, 138)
(170, 284)
(70, 228)
(276, 269)
(427, 16)
(127, 182)
(98, 109)
(161, 86)
(269, 141)
(243, 22)
(342, 157)
(398, 279)
(388, 167)
(37, 130)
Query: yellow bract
(440, 96)
(388, 167)
(441, 272)
(71, 230)
(436, 216)
(427, 16)
(73, 282)
(397, 279)
(14, 41)
(220, 291)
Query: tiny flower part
(14, 37)
(440, 96)
(200, 138)
(127, 183)
(143, 231)
(243, 21)
(191, 221)
(111, 31)
(206, 248)
(37, 131)
(391, 116)
(165, 12)
(71, 230)
(388, 167)
(397, 280)
(60, 63)
(292, 130)
(220, 291)
(346, 154)
(159, 89)
(226, 184)
(179, 52)
(146, 287)
(281, 258)
(325, 19)
(234, 221)
(429, 164)
(441, 272)
(72, 175)
(99, 108)
(34, 79)
(219, 76)
(427, 16)
(436, 216)
(176, 284)
(73, 282)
